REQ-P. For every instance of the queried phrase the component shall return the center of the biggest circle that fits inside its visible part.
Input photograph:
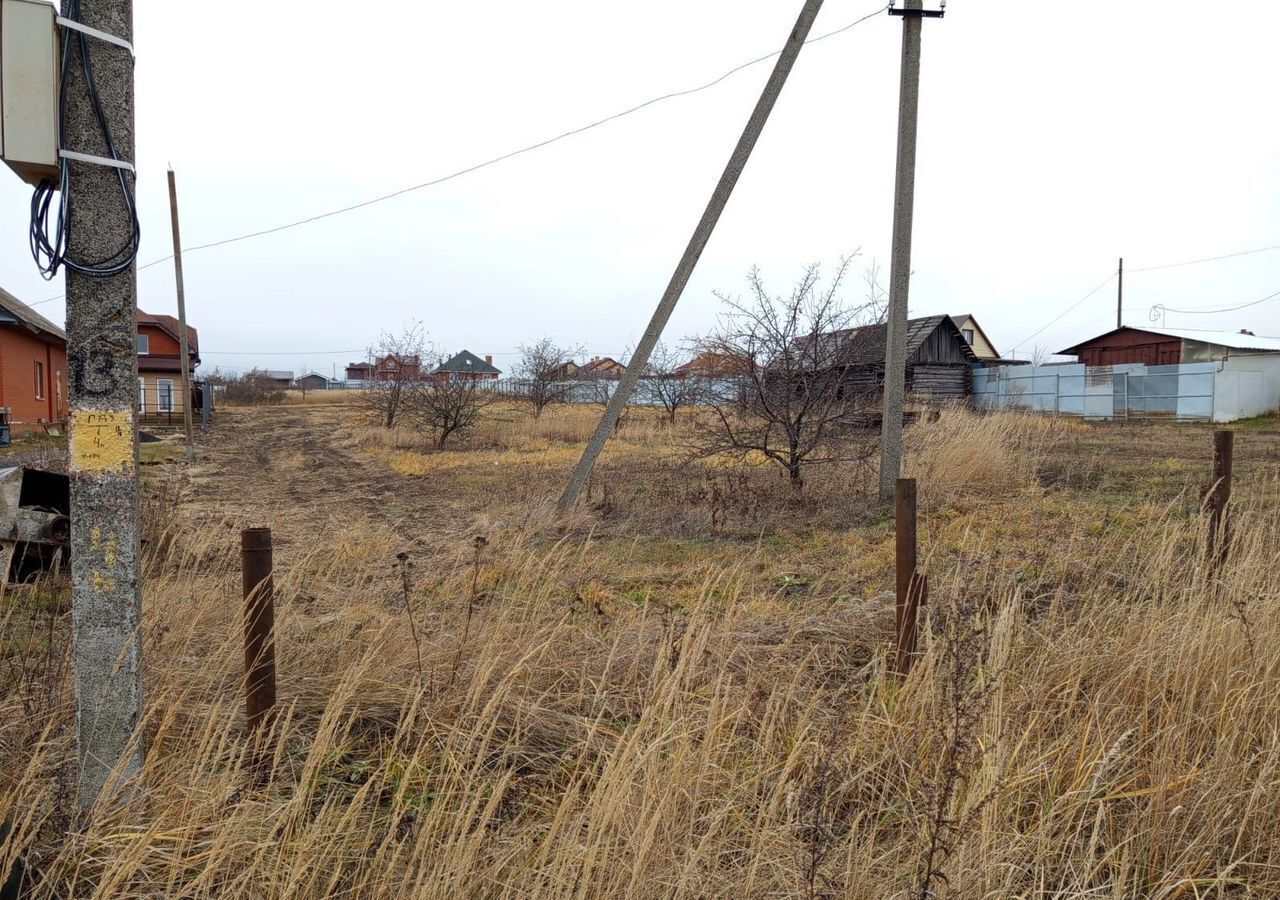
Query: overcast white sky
(1054, 138)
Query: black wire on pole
(49, 240)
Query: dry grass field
(680, 691)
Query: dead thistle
(402, 559)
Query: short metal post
(911, 587)
(1219, 495)
(259, 626)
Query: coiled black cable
(49, 244)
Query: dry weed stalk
(966, 686)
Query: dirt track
(298, 470)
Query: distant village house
(466, 366)
(602, 367)
(33, 366)
(973, 334)
(313, 381)
(160, 366)
(391, 367)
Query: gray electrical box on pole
(895, 361)
(103, 364)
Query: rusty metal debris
(35, 523)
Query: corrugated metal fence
(1187, 392)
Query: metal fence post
(911, 588)
(259, 626)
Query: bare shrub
(253, 388)
(664, 385)
(544, 374)
(397, 369)
(446, 406)
(789, 397)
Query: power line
(1069, 309)
(506, 156)
(1160, 309)
(1193, 262)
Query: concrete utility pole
(182, 317)
(701, 234)
(1120, 296)
(895, 362)
(103, 439)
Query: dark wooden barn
(939, 359)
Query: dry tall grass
(547, 739)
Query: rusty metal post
(1220, 495)
(909, 584)
(259, 626)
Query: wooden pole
(183, 346)
(911, 587)
(259, 626)
(1220, 495)
(1120, 295)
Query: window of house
(144, 344)
(164, 394)
(39, 381)
(968, 335)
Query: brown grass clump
(960, 450)
(610, 708)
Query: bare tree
(544, 373)
(397, 363)
(665, 385)
(789, 393)
(447, 405)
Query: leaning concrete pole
(895, 355)
(719, 198)
(183, 346)
(103, 363)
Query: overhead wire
(502, 158)
(1159, 308)
(1206, 259)
(1064, 313)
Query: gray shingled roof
(466, 361)
(865, 346)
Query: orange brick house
(33, 367)
(160, 365)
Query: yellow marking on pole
(101, 441)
